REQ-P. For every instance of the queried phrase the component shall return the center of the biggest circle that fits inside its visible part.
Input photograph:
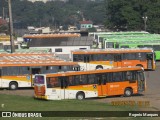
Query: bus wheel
(139, 65)
(99, 67)
(127, 92)
(80, 96)
(13, 86)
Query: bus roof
(112, 50)
(31, 60)
(141, 42)
(119, 69)
(51, 35)
(35, 63)
(129, 38)
(120, 33)
(27, 51)
(24, 54)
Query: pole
(145, 22)
(3, 14)
(11, 27)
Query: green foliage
(115, 14)
(127, 15)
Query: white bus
(85, 84)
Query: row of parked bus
(103, 72)
(127, 40)
(98, 72)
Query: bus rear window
(39, 80)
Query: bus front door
(117, 60)
(102, 88)
(141, 82)
(86, 61)
(149, 60)
(64, 92)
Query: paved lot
(150, 100)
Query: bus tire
(128, 92)
(80, 96)
(99, 67)
(13, 85)
(139, 65)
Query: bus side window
(107, 77)
(131, 76)
(98, 77)
(117, 76)
(128, 76)
(92, 57)
(49, 85)
(70, 81)
(80, 58)
(125, 46)
(92, 79)
(83, 80)
(149, 56)
(53, 82)
(103, 79)
(143, 56)
(110, 77)
(65, 81)
(75, 58)
(124, 76)
(76, 79)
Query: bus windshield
(39, 80)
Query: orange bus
(94, 83)
(108, 58)
(18, 69)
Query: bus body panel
(69, 93)
(119, 88)
(93, 65)
(157, 55)
(23, 81)
(126, 63)
(102, 90)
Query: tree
(127, 15)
